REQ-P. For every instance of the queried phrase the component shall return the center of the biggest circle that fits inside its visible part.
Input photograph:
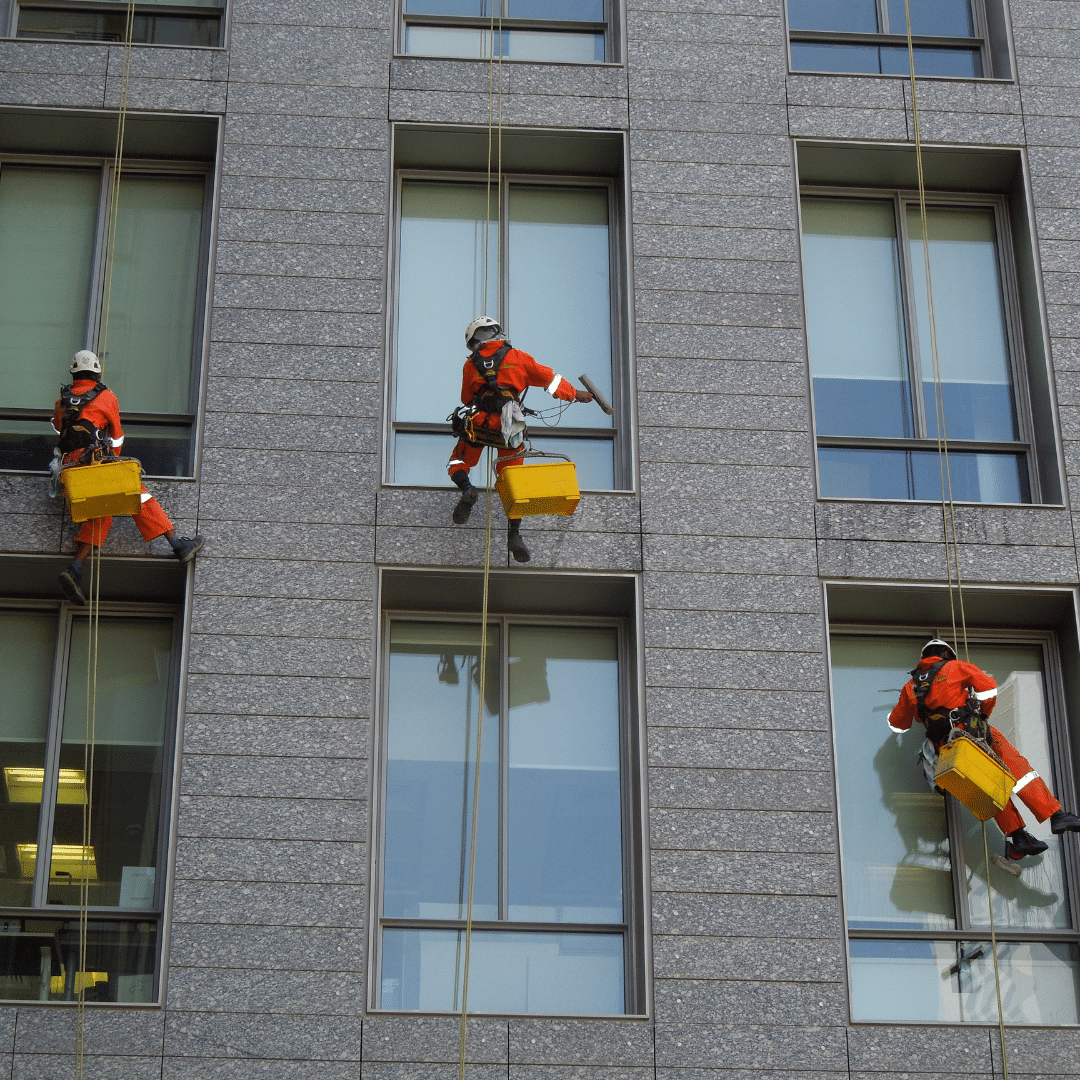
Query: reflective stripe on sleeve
(1025, 780)
(117, 442)
(145, 496)
(454, 461)
(987, 694)
(554, 385)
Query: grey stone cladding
(268, 931)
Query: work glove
(583, 396)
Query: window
(557, 300)
(567, 31)
(552, 930)
(53, 227)
(157, 22)
(915, 882)
(868, 334)
(950, 37)
(43, 724)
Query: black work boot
(515, 543)
(469, 495)
(1063, 821)
(1021, 844)
(71, 583)
(184, 547)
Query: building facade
(700, 851)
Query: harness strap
(494, 396)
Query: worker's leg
(464, 457)
(1030, 787)
(152, 522)
(507, 459)
(91, 535)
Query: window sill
(509, 60)
(636, 1018)
(981, 79)
(936, 502)
(114, 45)
(390, 486)
(44, 474)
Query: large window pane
(147, 28)
(897, 862)
(854, 16)
(132, 698)
(560, 284)
(508, 972)
(431, 758)
(564, 828)
(155, 275)
(563, 10)
(855, 325)
(551, 46)
(47, 223)
(27, 648)
(969, 315)
(932, 61)
(940, 18)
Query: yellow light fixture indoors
(67, 860)
(24, 785)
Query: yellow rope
(948, 506)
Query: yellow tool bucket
(970, 774)
(104, 489)
(541, 488)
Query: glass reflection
(854, 16)
(27, 649)
(134, 672)
(509, 972)
(937, 18)
(930, 61)
(551, 46)
(563, 10)
(564, 830)
(431, 737)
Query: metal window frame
(608, 28)
(1064, 782)
(114, 7)
(633, 887)
(618, 433)
(902, 199)
(39, 906)
(95, 299)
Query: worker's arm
(555, 385)
(58, 415)
(903, 713)
(984, 686)
(111, 408)
(471, 383)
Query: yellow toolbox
(540, 488)
(104, 489)
(967, 772)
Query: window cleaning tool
(595, 391)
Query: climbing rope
(948, 505)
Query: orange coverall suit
(517, 371)
(104, 413)
(950, 691)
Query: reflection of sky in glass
(852, 16)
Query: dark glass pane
(850, 59)
(39, 960)
(111, 26)
(854, 16)
(955, 63)
(916, 474)
(26, 444)
(939, 18)
(863, 407)
(566, 10)
(162, 451)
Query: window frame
(633, 858)
(40, 907)
(95, 299)
(607, 28)
(902, 199)
(897, 37)
(9, 21)
(1059, 738)
(617, 434)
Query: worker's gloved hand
(583, 396)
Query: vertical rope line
(491, 116)
(993, 949)
(499, 254)
(476, 775)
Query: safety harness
(77, 433)
(491, 399)
(941, 722)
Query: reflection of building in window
(558, 298)
(915, 882)
(157, 22)
(566, 31)
(52, 299)
(870, 37)
(552, 930)
(868, 333)
(43, 671)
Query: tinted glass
(508, 972)
(916, 474)
(854, 16)
(26, 444)
(27, 651)
(566, 10)
(940, 18)
(47, 223)
(854, 318)
(66, 24)
(885, 60)
(593, 458)
(848, 59)
(897, 860)
(969, 313)
(551, 46)
(132, 698)
(564, 830)
(431, 758)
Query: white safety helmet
(935, 646)
(485, 322)
(85, 360)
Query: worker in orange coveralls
(945, 692)
(492, 381)
(87, 419)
